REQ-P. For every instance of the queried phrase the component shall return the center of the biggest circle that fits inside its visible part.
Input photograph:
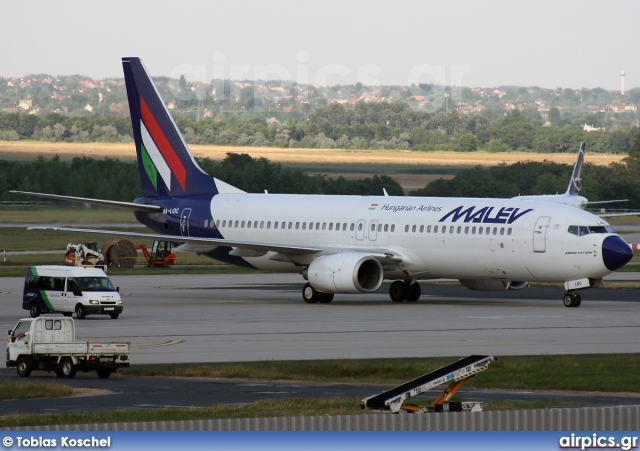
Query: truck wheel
(80, 311)
(67, 314)
(23, 367)
(58, 370)
(103, 373)
(34, 310)
(115, 315)
(67, 368)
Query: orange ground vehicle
(160, 255)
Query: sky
(545, 43)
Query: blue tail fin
(575, 184)
(166, 165)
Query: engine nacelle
(493, 284)
(348, 272)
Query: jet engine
(493, 284)
(348, 272)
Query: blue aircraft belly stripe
(156, 156)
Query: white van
(65, 289)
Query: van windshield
(94, 283)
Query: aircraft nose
(615, 252)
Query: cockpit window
(586, 230)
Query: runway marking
(168, 343)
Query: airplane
(572, 196)
(351, 244)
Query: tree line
(364, 126)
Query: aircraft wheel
(309, 294)
(413, 292)
(571, 299)
(398, 291)
(577, 300)
(325, 298)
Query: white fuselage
(462, 238)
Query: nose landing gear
(571, 299)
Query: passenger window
(206, 223)
(479, 230)
(495, 230)
(393, 227)
(501, 230)
(373, 227)
(451, 229)
(386, 227)
(421, 229)
(359, 227)
(237, 223)
(57, 284)
(242, 225)
(218, 224)
(435, 229)
(297, 225)
(353, 227)
(413, 229)
(444, 229)
(406, 228)
(379, 227)
(291, 224)
(268, 224)
(509, 231)
(248, 224)
(275, 225)
(331, 226)
(304, 226)
(459, 230)
(262, 224)
(466, 230)
(428, 229)
(473, 230)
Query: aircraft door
(540, 234)
(184, 222)
(373, 232)
(360, 229)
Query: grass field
(282, 155)
(610, 373)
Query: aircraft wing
(253, 245)
(195, 244)
(104, 203)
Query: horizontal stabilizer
(104, 203)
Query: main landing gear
(571, 299)
(313, 296)
(401, 291)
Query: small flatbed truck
(48, 343)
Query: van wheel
(34, 310)
(115, 315)
(103, 373)
(67, 314)
(80, 311)
(23, 367)
(67, 368)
